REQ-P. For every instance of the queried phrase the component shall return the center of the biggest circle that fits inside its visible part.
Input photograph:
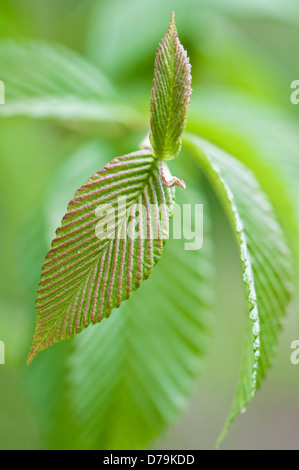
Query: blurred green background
(244, 56)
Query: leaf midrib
(105, 248)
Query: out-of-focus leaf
(266, 262)
(53, 82)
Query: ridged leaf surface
(98, 257)
(170, 96)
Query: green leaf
(97, 258)
(266, 262)
(53, 82)
(170, 96)
(132, 375)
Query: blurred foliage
(244, 57)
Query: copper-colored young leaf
(98, 257)
(170, 95)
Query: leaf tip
(35, 349)
(170, 95)
(31, 356)
(172, 19)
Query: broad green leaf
(98, 258)
(170, 96)
(53, 82)
(132, 375)
(266, 262)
